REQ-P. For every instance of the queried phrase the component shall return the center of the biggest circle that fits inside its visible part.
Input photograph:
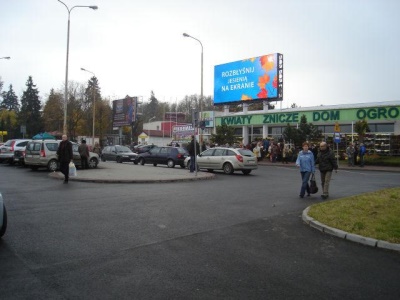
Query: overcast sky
(335, 51)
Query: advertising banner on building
(124, 111)
(254, 79)
(183, 133)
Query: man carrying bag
(65, 156)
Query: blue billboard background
(254, 79)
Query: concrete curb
(346, 235)
(59, 176)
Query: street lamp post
(66, 67)
(151, 119)
(94, 103)
(201, 91)
(5, 57)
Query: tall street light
(151, 119)
(201, 93)
(66, 68)
(5, 57)
(94, 103)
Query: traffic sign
(337, 127)
(336, 137)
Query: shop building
(383, 119)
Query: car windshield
(245, 152)
(123, 149)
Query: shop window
(384, 127)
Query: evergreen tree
(30, 115)
(291, 134)
(10, 100)
(152, 108)
(92, 93)
(308, 131)
(361, 127)
(224, 135)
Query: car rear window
(245, 152)
(8, 143)
(52, 146)
(181, 150)
(22, 144)
(123, 149)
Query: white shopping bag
(72, 169)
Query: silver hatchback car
(227, 159)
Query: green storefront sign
(318, 116)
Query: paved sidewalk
(341, 167)
(112, 172)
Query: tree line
(48, 115)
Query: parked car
(143, 148)
(3, 217)
(119, 154)
(43, 154)
(7, 150)
(19, 156)
(166, 155)
(227, 159)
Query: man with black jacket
(193, 153)
(327, 163)
(65, 156)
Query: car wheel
(183, 166)
(34, 168)
(52, 166)
(4, 226)
(170, 163)
(228, 169)
(135, 162)
(103, 159)
(246, 172)
(93, 163)
(141, 161)
(154, 164)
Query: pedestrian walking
(350, 155)
(83, 150)
(327, 163)
(257, 151)
(285, 154)
(192, 152)
(363, 150)
(305, 161)
(97, 149)
(65, 156)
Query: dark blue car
(167, 155)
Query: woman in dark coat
(65, 156)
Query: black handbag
(313, 185)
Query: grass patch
(375, 215)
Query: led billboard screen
(254, 79)
(124, 111)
